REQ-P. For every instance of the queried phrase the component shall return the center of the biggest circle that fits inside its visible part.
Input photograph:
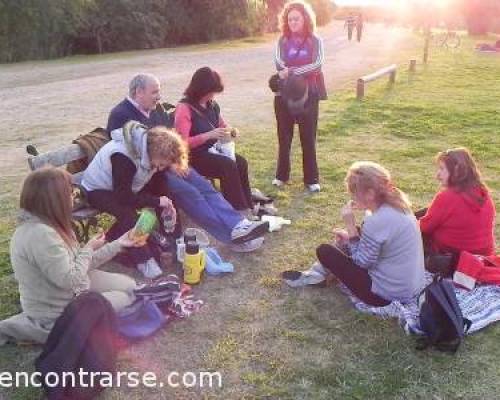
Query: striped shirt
(390, 248)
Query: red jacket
(457, 221)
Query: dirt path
(48, 103)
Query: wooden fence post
(392, 77)
(360, 89)
(413, 65)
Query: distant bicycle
(448, 39)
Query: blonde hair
(47, 194)
(168, 145)
(365, 175)
(305, 10)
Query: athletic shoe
(249, 246)
(316, 275)
(247, 230)
(314, 188)
(276, 182)
(150, 269)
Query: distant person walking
(299, 58)
(350, 22)
(359, 26)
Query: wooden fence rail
(390, 70)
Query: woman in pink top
(199, 121)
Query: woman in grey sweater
(383, 260)
(49, 264)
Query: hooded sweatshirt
(457, 221)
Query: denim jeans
(196, 196)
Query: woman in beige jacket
(50, 266)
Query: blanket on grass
(480, 305)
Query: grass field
(269, 341)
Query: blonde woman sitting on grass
(383, 260)
(49, 264)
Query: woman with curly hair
(127, 174)
(299, 57)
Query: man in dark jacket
(142, 99)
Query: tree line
(41, 29)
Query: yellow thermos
(194, 263)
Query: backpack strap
(200, 114)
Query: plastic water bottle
(169, 219)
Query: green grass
(272, 342)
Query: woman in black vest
(199, 121)
(299, 53)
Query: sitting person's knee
(241, 161)
(324, 252)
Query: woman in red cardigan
(462, 215)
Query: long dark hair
(47, 194)
(464, 173)
(306, 11)
(204, 81)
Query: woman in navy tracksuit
(299, 52)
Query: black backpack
(441, 318)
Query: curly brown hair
(307, 12)
(167, 144)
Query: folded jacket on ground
(472, 269)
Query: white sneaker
(276, 182)
(316, 275)
(314, 188)
(249, 246)
(247, 230)
(150, 269)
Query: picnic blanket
(480, 305)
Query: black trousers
(359, 32)
(125, 219)
(308, 124)
(349, 31)
(354, 277)
(233, 176)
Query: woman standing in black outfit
(299, 53)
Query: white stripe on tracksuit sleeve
(316, 65)
(280, 64)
